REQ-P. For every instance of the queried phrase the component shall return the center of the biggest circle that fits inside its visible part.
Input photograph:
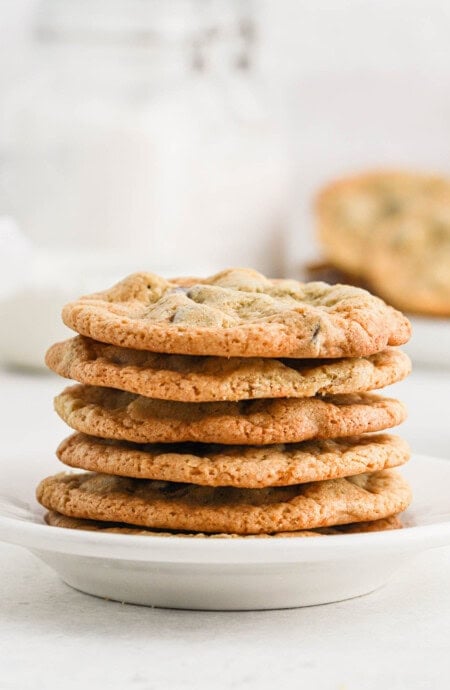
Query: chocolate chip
(390, 208)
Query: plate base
(223, 587)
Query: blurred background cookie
(389, 231)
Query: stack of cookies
(229, 406)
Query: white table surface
(52, 637)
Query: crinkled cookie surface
(240, 466)
(110, 413)
(238, 313)
(165, 505)
(58, 520)
(202, 379)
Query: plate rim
(237, 551)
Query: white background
(355, 83)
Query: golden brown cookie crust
(57, 520)
(239, 466)
(187, 507)
(206, 379)
(110, 413)
(238, 313)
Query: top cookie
(238, 313)
(391, 229)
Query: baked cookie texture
(227, 407)
(188, 507)
(188, 378)
(239, 466)
(110, 413)
(391, 229)
(58, 520)
(238, 313)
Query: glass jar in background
(142, 139)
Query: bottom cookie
(58, 520)
(193, 508)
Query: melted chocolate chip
(316, 332)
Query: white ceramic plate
(226, 574)
(430, 342)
